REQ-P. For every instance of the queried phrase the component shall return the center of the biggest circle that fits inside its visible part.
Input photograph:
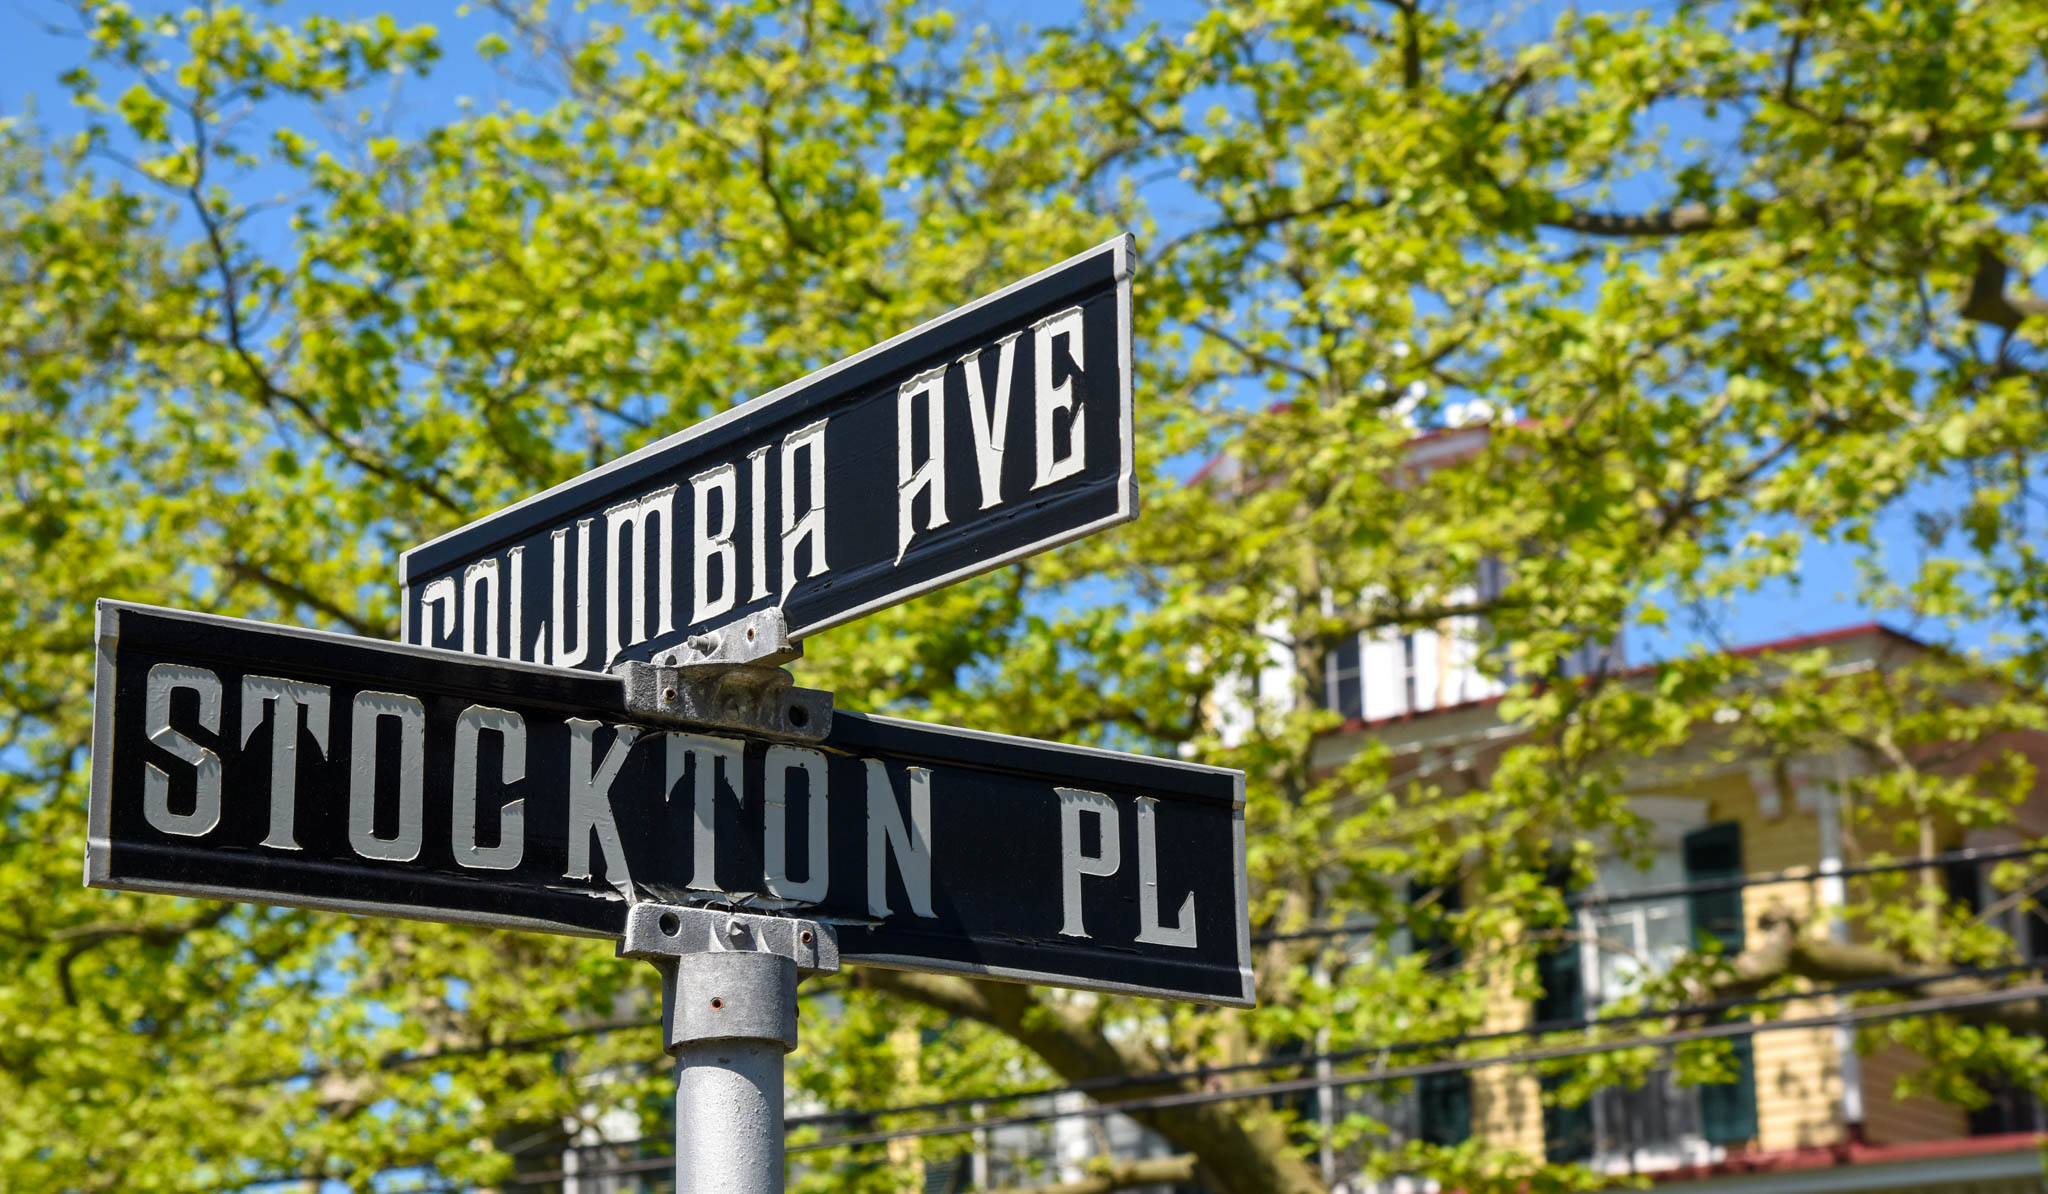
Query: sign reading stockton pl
(998, 430)
(252, 762)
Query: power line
(1200, 1073)
(1156, 1077)
(394, 1061)
(401, 1060)
(1594, 899)
(1933, 1005)
(1807, 875)
(1153, 1078)
(1803, 875)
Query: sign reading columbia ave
(1000, 429)
(246, 761)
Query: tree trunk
(1242, 1148)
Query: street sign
(998, 430)
(246, 761)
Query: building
(1808, 1112)
(1738, 845)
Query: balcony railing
(1654, 1126)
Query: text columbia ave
(997, 431)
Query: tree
(1726, 282)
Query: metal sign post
(614, 750)
(728, 1013)
(728, 979)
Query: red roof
(1854, 1152)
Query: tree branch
(285, 590)
(1245, 1153)
(267, 389)
(85, 937)
(799, 236)
(1987, 300)
(1237, 345)
(1683, 220)
(1259, 223)
(1790, 953)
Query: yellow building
(1739, 849)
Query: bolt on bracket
(727, 976)
(728, 679)
(659, 932)
(761, 638)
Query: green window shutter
(1567, 1131)
(1727, 1109)
(1960, 878)
(1432, 941)
(1713, 854)
(1564, 990)
(1445, 1101)
(948, 1176)
(1557, 968)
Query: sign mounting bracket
(729, 679)
(728, 985)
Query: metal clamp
(656, 932)
(727, 976)
(760, 639)
(729, 679)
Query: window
(1622, 943)
(1382, 675)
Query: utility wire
(1931, 1005)
(1801, 875)
(1202, 1073)
(1596, 899)
(1896, 1011)
(395, 1061)
(1199, 1073)
(1091, 1086)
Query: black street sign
(245, 761)
(998, 430)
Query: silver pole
(729, 1018)
(734, 1020)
